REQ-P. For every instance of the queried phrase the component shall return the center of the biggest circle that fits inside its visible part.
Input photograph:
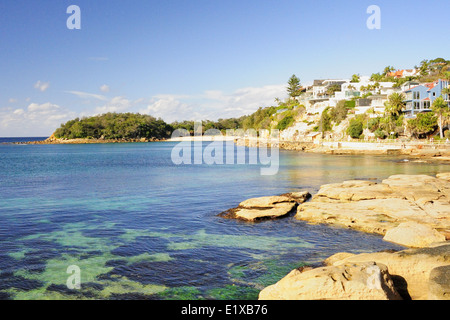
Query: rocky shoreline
(410, 210)
(53, 140)
(418, 150)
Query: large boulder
(410, 269)
(271, 207)
(351, 281)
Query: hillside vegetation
(115, 126)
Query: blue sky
(197, 59)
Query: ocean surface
(21, 139)
(137, 226)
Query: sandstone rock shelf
(270, 207)
(410, 210)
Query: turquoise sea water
(140, 227)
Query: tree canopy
(294, 86)
(115, 126)
(441, 109)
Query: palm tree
(393, 109)
(441, 109)
(395, 104)
(388, 69)
(424, 65)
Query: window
(416, 95)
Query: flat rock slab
(411, 269)
(351, 281)
(271, 207)
(379, 207)
(275, 211)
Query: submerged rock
(271, 207)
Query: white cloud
(104, 88)
(86, 95)
(42, 86)
(42, 108)
(116, 104)
(213, 104)
(12, 100)
(34, 120)
(170, 109)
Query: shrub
(355, 129)
(325, 121)
(285, 123)
(380, 134)
(338, 113)
(373, 124)
(423, 124)
(447, 134)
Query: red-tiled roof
(396, 74)
(431, 85)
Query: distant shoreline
(417, 151)
(52, 140)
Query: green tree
(325, 121)
(333, 88)
(355, 78)
(115, 126)
(355, 129)
(294, 87)
(446, 75)
(423, 68)
(423, 124)
(388, 69)
(395, 104)
(339, 113)
(376, 77)
(441, 109)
